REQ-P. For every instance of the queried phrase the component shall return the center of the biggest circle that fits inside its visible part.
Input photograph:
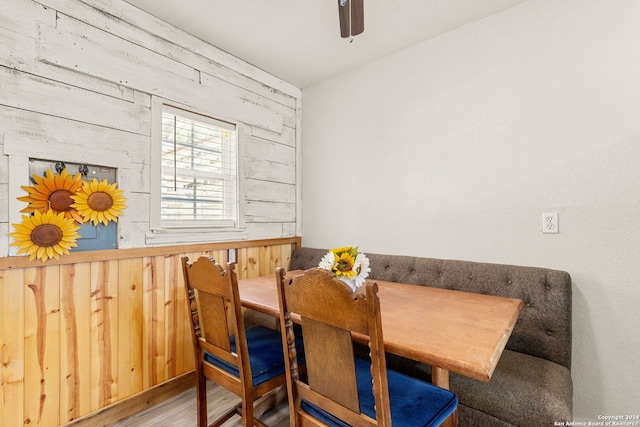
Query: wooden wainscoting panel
(12, 362)
(172, 275)
(130, 324)
(153, 349)
(41, 345)
(179, 359)
(269, 257)
(75, 341)
(101, 329)
(249, 263)
(104, 333)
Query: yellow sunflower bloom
(347, 264)
(344, 265)
(53, 191)
(350, 249)
(99, 202)
(45, 235)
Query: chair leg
(248, 419)
(201, 399)
(452, 421)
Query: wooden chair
(249, 363)
(340, 389)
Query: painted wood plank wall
(78, 80)
(79, 334)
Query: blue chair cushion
(265, 354)
(413, 402)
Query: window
(199, 180)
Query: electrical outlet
(550, 222)
(231, 256)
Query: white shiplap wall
(78, 82)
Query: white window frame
(175, 232)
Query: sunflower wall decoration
(58, 204)
(45, 235)
(99, 202)
(53, 191)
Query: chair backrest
(330, 315)
(216, 318)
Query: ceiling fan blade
(343, 12)
(357, 17)
(351, 14)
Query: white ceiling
(299, 41)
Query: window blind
(199, 170)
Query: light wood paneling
(12, 360)
(94, 328)
(41, 344)
(104, 333)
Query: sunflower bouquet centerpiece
(348, 265)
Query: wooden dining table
(452, 331)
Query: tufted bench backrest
(544, 326)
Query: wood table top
(455, 331)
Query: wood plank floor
(180, 411)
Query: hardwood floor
(180, 411)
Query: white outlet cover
(550, 223)
(231, 255)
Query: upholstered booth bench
(532, 384)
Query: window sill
(195, 235)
